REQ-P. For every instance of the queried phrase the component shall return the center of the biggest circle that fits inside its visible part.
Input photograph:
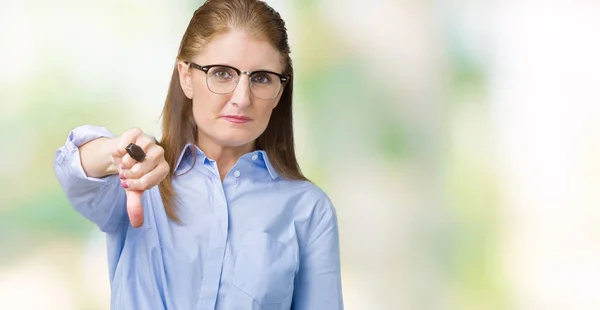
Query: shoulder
(309, 196)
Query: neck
(224, 156)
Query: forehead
(237, 48)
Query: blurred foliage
(34, 208)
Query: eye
(222, 73)
(262, 78)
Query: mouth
(236, 119)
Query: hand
(136, 177)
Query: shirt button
(236, 173)
(254, 157)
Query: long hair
(178, 125)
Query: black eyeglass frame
(282, 78)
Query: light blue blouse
(253, 241)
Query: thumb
(134, 207)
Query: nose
(241, 93)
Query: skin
(219, 138)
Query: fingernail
(124, 184)
(122, 167)
(122, 176)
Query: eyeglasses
(223, 79)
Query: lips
(236, 119)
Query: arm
(318, 284)
(96, 157)
(87, 174)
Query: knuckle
(121, 143)
(133, 184)
(156, 153)
(127, 161)
(134, 170)
(165, 169)
(144, 141)
(143, 183)
(148, 137)
(132, 135)
(116, 153)
(160, 155)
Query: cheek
(264, 115)
(206, 104)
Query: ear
(185, 79)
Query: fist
(136, 177)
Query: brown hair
(178, 125)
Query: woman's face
(239, 117)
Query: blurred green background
(458, 141)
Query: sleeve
(318, 284)
(100, 200)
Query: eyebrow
(228, 65)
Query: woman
(217, 215)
